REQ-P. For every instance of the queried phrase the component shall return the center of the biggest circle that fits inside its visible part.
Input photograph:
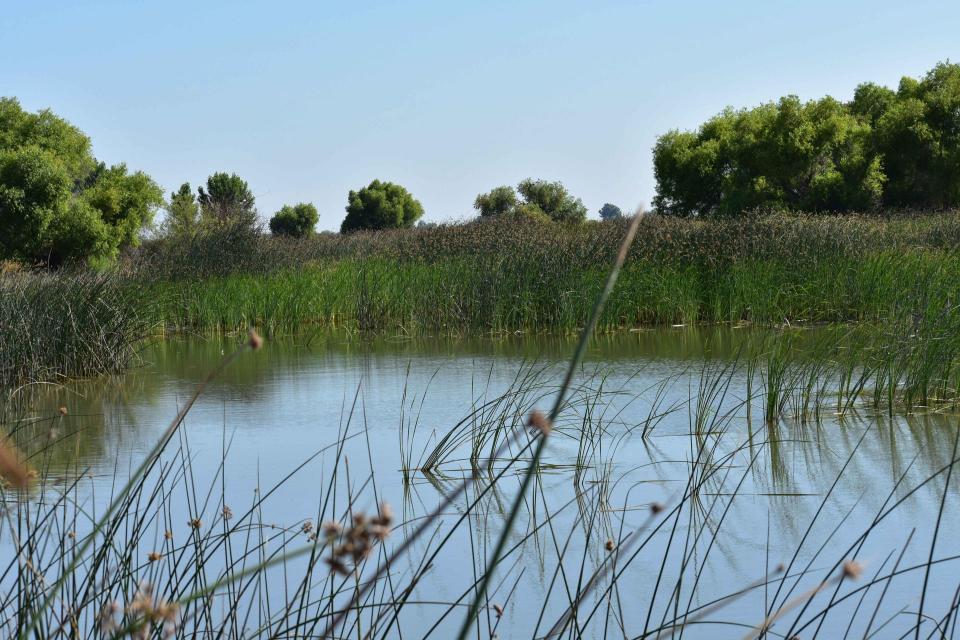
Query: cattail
(540, 422)
(12, 468)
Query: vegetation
(296, 221)
(509, 275)
(610, 212)
(894, 148)
(57, 203)
(227, 200)
(381, 205)
(539, 201)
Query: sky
(308, 99)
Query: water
(767, 489)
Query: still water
(649, 410)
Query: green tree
(183, 212)
(918, 135)
(34, 191)
(553, 200)
(296, 221)
(610, 212)
(497, 202)
(57, 202)
(813, 156)
(227, 200)
(380, 205)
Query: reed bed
(69, 325)
(506, 276)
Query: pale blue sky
(309, 99)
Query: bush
(499, 201)
(183, 213)
(57, 203)
(296, 221)
(381, 205)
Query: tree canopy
(57, 202)
(227, 200)
(296, 221)
(610, 212)
(539, 200)
(381, 205)
(884, 147)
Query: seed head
(610, 546)
(656, 508)
(153, 556)
(540, 422)
(852, 569)
(63, 411)
(498, 609)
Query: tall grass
(69, 325)
(503, 276)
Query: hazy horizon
(307, 101)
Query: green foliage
(497, 202)
(227, 198)
(183, 212)
(34, 190)
(900, 148)
(553, 200)
(381, 205)
(540, 201)
(58, 203)
(610, 212)
(296, 221)
(813, 156)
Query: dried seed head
(153, 556)
(227, 512)
(254, 339)
(498, 609)
(780, 568)
(195, 523)
(62, 411)
(540, 422)
(610, 546)
(307, 527)
(656, 508)
(12, 468)
(852, 569)
(168, 535)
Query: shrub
(296, 221)
(381, 205)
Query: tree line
(884, 148)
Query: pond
(316, 427)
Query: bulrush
(356, 543)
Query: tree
(380, 205)
(57, 202)
(296, 221)
(183, 212)
(553, 200)
(497, 202)
(227, 199)
(610, 212)
(813, 156)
